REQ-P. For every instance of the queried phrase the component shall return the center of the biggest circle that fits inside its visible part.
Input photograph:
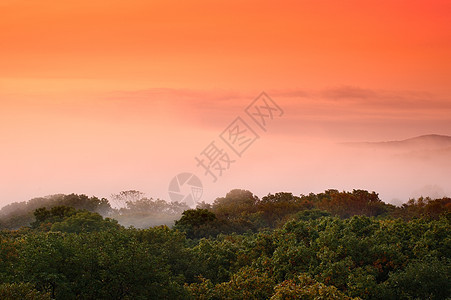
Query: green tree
(304, 287)
(235, 204)
(84, 221)
(421, 279)
(21, 291)
(45, 218)
(197, 223)
(247, 283)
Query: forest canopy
(331, 245)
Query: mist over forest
(133, 208)
(334, 244)
(421, 164)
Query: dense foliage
(333, 245)
(18, 214)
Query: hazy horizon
(99, 97)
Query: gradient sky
(102, 96)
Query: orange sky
(101, 96)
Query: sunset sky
(100, 96)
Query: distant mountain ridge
(429, 141)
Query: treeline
(134, 209)
(240, 211)
(18, 214)
(332, 245)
